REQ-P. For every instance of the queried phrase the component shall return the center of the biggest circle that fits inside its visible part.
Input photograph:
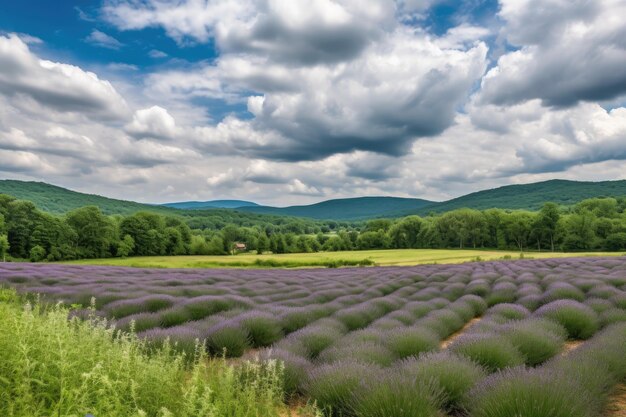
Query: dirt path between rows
(445, 343)
(617, 403)
(570, 345)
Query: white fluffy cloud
(154, 122)
(57, 86)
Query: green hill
(346, 208)
(530, 196)
(60, 200)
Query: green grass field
(399, 257)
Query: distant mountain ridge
(198, 205)
(530, 196)
(346, 208)
(59, 200)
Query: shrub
(529, 393)
(139, 322)
(603, 291)
(332, 386)
(181, 339)
(418, 308)
(402, 316)
(148, 304)
(536, 344)
(264, 328)
(613, 315)
(463, 309)
(397, 395)
(499, 297)
(619, 300)
(229, 339)
(316, 338)
(494, 352)
(479, 287)
(478, 304)
(509, 311)
(386, 323)
(364, 352)
(580, 321)
(201, 307)
(442, 322)
(296, 369)
(599, 304)
(454, 374)
(174, 316)
(359, 316)
(411, 341)
(561, 291)
(294, 319)
(531, 302)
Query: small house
(240, 247)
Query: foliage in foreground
(50, 365)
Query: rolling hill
(529, 196)
(59, 200)
(199, 205)
(346, 208)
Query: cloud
(297, 187)
(120, 66)
(155, 53)
(21, 162)
(398, 90)
(61, 87)
(570, 51)
(329, 31)
(154, 122)
(103, 40)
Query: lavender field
(495, 339)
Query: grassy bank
(52, 366)
(394, 257)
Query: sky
(295, 101)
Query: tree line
(28, 233)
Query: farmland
(391, 257)
(543, 338)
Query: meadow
(383, 257)
(532, 338)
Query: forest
(28, 233)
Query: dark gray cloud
(373, 104)
(309, 45)
(572, 51)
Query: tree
(94, 231)
(20, 224)
(263, 243)
(4, 247)
(547, 221)
(518, 227)
(373, 240)
(37, 254)
(148, 232)
(125, 246)
(404, 233)
(578, 229)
